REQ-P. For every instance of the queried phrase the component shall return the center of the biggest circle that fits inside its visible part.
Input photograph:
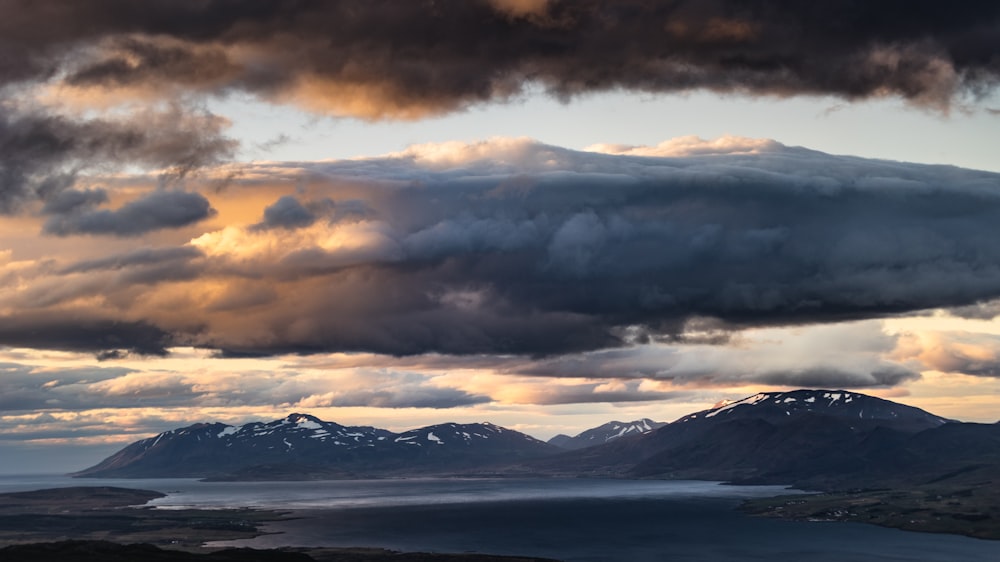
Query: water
(576, 520)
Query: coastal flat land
(108, 524)
(972, 511)
(114, 514)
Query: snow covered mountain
(605, 433)
(304, 444)
(866, 410)
(804, 436)
(818, 439)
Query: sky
(539, 213)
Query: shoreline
(969, 512)
(118, 514)
(105, 523)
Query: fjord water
(575, 520)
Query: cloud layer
(43, 153)
(514, 247)
(383, 58)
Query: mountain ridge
(217, 450)
(812, 438)
(604, 433)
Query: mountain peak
(605, 433)
(303, 420)
(779, 406)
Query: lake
(575, 520)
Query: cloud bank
(42, 154)
(386, 59)
(515, 247)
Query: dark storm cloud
(72, 200)
(384, 58)
(81, 332)
(290, 213)
(540, 250)
(513, 247)
(156, 211)
(41, 154)
(559, 251)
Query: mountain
(303, 446)
(605, 433)
(862, 409)
(816, 437)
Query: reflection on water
(578, 520)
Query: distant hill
(605, 433)
(819, 439)
(301, 446)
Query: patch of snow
(811, 399)
(790, 399)
(308, 424)
(228, 431)
(398, 439)
(623, 431)
(287, 444)
(435, 438)
(755, 399)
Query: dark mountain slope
(302, 446)
(605, 433)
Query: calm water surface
(567, 519)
